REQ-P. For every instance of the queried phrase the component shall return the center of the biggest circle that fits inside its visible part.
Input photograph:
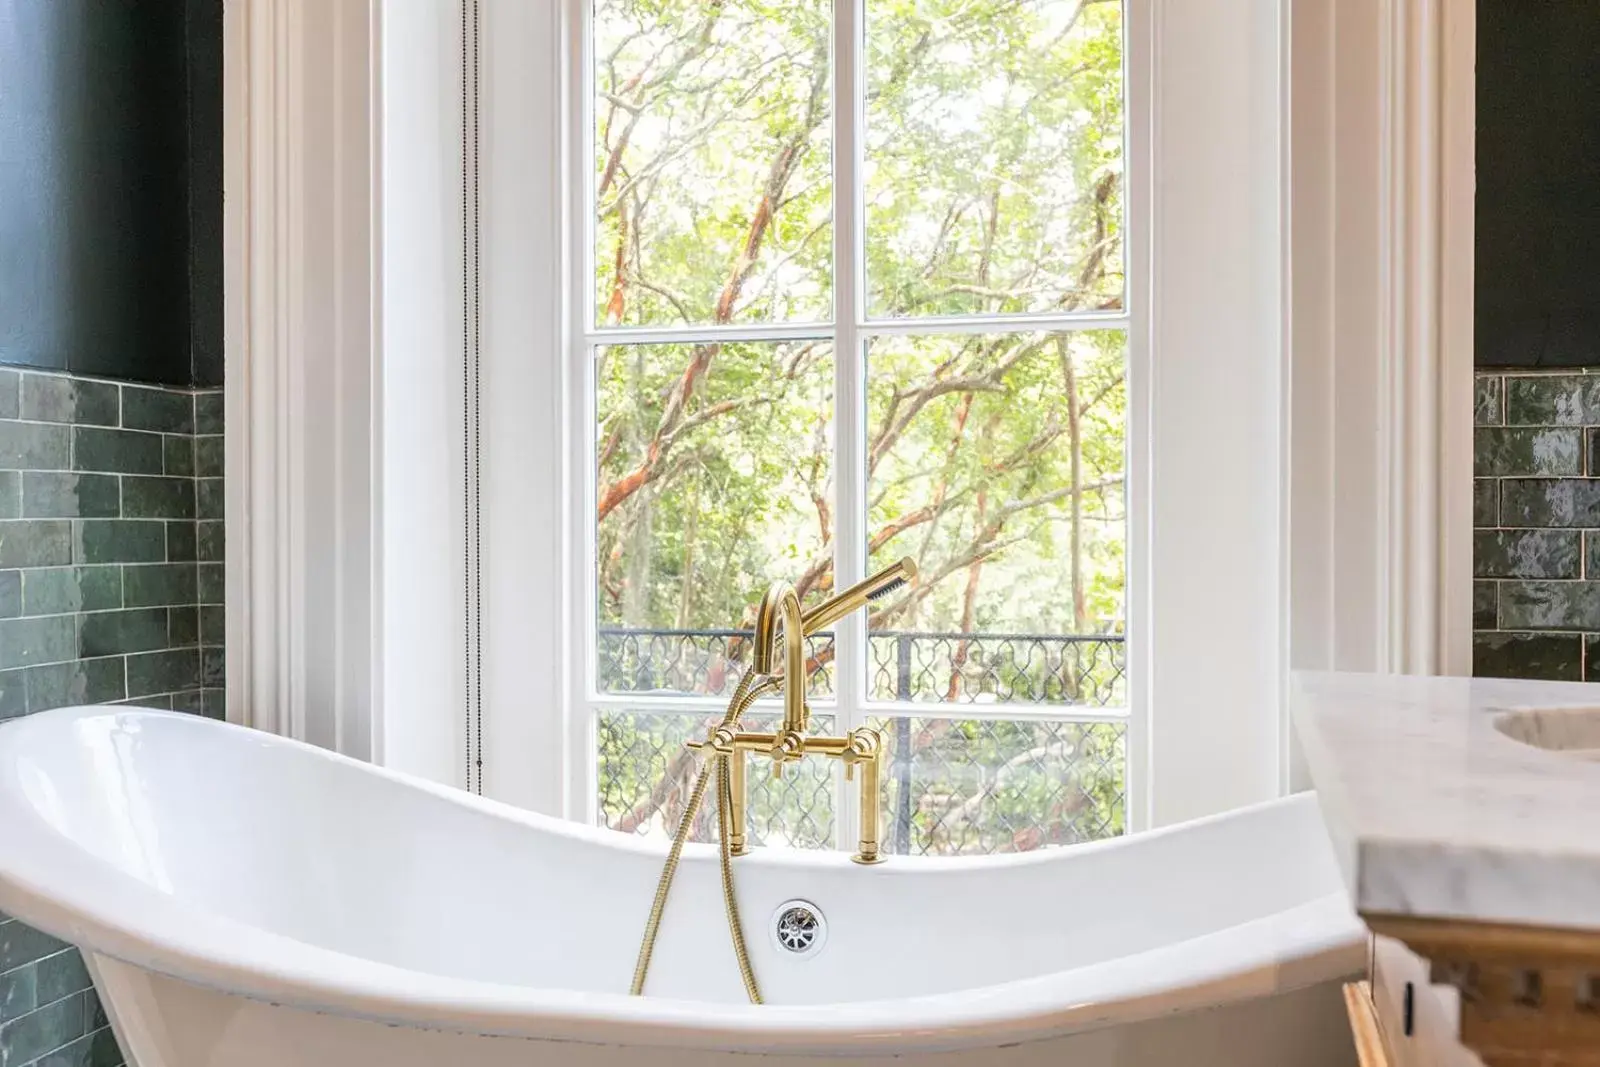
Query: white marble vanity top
(1435, 811)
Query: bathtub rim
(49, 882)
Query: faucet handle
(719, 742)
(866, 743)
(787, 745)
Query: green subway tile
(10, 494)
(10, 594)
(112, 633)
(94, 1012)
(162, 410)
(211, 542)
(116, 451)
(35, 543)
(1552, 400)
(49, 398)
(66, 495)
(1527, 451)
(183, 626)
(97, 1049)
(20, 944)
(63, 590)
(1591, 451)
(13, 701)
(25, 1039)
(157, 498)
(1526, 554)
(1485, 502)
(84, 681)
(33, 446)
(25, 642)
(1550, 502)
(19, 993)
(192, 700)
(212, 626)
(213, 584)
(213, 668)
(158, 584)
(177, 452)
(214, 703)
(208, 456)
(1488, 407)
(1531, 605)
(120, 541)
(208, 412)
(171, 671)
(208, 498)
(9, 384)
(180, 542)
(1485, 605)
(1553, 657)
(61, 975)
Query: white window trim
(1370, 535)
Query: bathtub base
(165, 1022)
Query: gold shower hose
(744, 695)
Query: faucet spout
(782, 604)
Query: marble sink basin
(1573, 732)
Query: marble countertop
(1435, 811)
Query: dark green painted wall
(111, 188)
(1538, 200)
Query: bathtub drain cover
(798, 928)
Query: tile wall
(1536, 525)
(111, 585)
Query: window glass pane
(670, 660)
(715, 477)
(712, 158)
(993, 156)
(646, 777)
(996, 462)
(976, 786)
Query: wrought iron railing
(955, 668)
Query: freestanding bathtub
(246, 900)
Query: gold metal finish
(837, 607)
(726, 746)
(781, 601)
(862, 747)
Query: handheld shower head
(878, 585)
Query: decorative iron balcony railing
(1083, 670)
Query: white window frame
(1329, 216)
(850, 329)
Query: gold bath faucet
(863, 746)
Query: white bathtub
(245, 900)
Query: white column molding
(1216, 429)
(531, 658)
(301, 381)
(1380, 251)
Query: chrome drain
(798, 928)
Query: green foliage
(994, 147)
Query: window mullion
(849, 546)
